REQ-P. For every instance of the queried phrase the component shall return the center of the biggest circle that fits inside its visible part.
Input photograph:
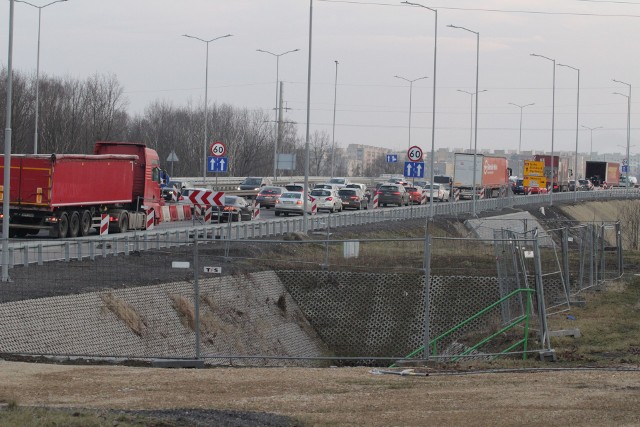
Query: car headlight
(239, 188)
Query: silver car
(292, 202)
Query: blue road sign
(392, 158)
(625, 168)
(414, 169)
(217, 164)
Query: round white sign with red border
(218, 149)
(414, 154)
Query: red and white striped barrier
(456, 194)
(151, 220)
(314, 205)
(376, 204)
(104, 224)
(529, 191)
(256, 210)
(423, 198)
(482, 193)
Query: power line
(530, 12)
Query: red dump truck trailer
(68, 193)
(560, 171)
(492, 175)
(601, 172)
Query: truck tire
(120, 225)
(74, 224)
(85, 223)
(63, 225)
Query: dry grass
(185, 309)
(125, 312)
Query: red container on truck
(560, 171)
(601, 172)
(492, 174)
(67, 193)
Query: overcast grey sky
(140, 42)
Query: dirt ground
(339, 396)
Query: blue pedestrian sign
(392, 158)
(625, 168)
(217, 164)
(414, 169)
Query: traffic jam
(56, 195)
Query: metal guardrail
(26, 253)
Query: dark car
(253, 183)
(235, 208)
(268, 195)
(518, 187)
(392, 194)
(353, 198)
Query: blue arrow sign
(392, 158)
(414, 169)
(625, 168)
(217, 164)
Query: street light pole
(521, 107)
(470, 116)
(7, 152)
(307, 133)
(575, 170)
(591, 144)
(275, 121)
(475, 148)
(553, 121)
(333, 135)
(206, 91)
(35, 136)
(433, 109)
(410, 92)
(628, 129)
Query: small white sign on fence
(528, 254)
(180, 264)
(351, 249)
(215, 270)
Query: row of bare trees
(74, 114)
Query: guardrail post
(92, 250)
(67, 251)
(25, 255)
(40, 258)
(79, 250)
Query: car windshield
(347, 192)
(435, 186)
(271, 191)
(520, 182)
(583, 181)
(336, 181)
(389, 188)
(230, 200)
(412, 189)
(323, 193)
(292, 196)
(251, 181)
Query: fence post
(196, 294)
(565, 259)
(542, 310)
(426, 266)
(619, 245)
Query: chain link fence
(305, 300)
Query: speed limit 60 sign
(414, 154)
(218, 149)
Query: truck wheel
(119, 226)
(85, 223)
(74, 224)
(63, 225)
